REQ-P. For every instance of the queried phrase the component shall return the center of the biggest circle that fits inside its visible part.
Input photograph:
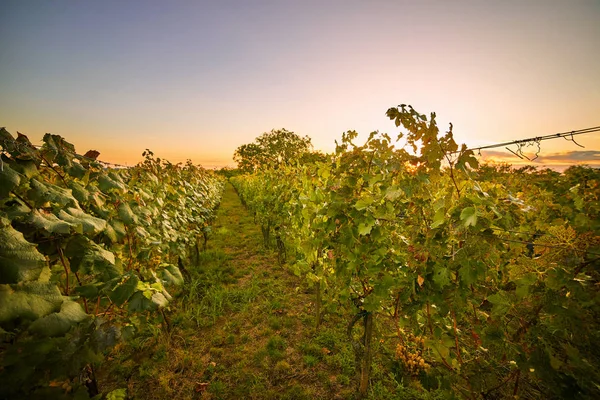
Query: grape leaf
(469, 216)
(59, 323)
(9, 179)
(20, 260)
(50, 223)
(28, 301)
(89, 224)
(89, 257)
(42, 192)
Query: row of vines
(488, 277)
(86, 254)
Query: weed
(310, 361)
(217, 388)
(296, 392)
(275, 347)
(230, 339)
(146, 369)
(282, 368)
(312, 349)
(275, 323)
(216, 352)
(329, 339)
(343, 380)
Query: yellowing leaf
(469, 216)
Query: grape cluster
(411, 355)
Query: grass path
(241, 328)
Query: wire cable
(536, 140)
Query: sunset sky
(197, 79)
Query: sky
(196, 79)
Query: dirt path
(242, 328)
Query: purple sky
(192, 79)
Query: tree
(275, 148)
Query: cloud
(551, 160)
(581, 156)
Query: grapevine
(493, 269)
(87, 255)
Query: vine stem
(64, 263)
(584, 264)
(165, 319)
(24, 201)
(130, 251)
(84, 299)
(429, 320)
(54, 169)
(97, 306)
(396, 317)
(365, 370)
(504, 382)
(130, 240)
(456, 337)
(109, 308)
(447, 157)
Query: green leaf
(106, 184)
(124, 289)
(364, 228)
(138, 302)
(16, 211)
(57, 149)
(117, 394)
(28, 301)
(88, 257)
(79, 192)
(393, 193)
(27, 168)
(87, 291)
(441, 348)
(439, 218)
(20, 260)
(468, 274)
(524, 283)
(50, 223)
(469, 216)
(159, 299)
(441, 276)
(59, 323)
(126, 214)
(89, 224)
(42, 192)
(77, 170)
(171, 275)
(363, 203)
(118, 228)
(501, 304)
(9, 179)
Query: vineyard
(486, 277)
(87, 253)
(396, 268)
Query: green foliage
(490, 273)
(20, 260)
(273, 149)
(79, 242)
